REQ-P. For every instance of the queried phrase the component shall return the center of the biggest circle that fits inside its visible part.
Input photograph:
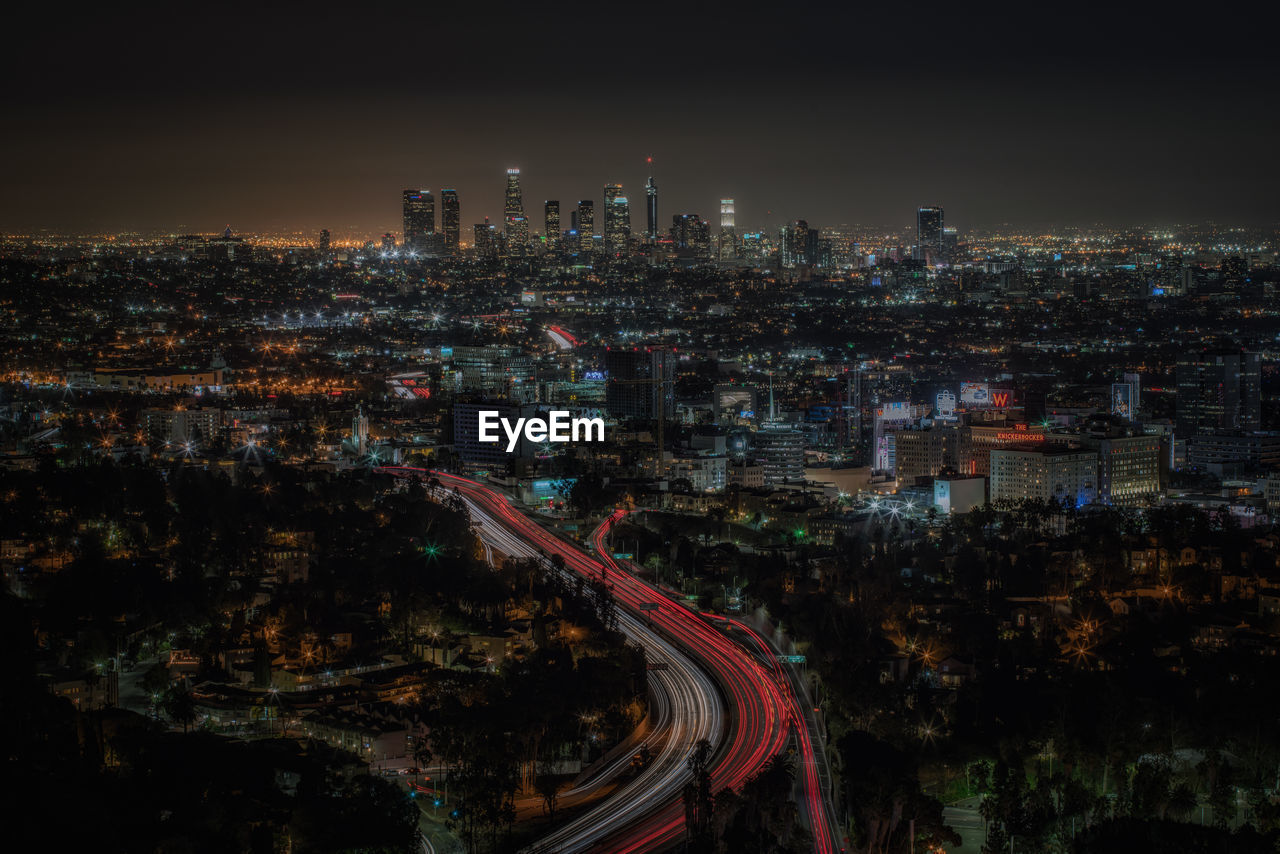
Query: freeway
(685, 705)
(646, 814)
(814, 801)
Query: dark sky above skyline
(311, 116)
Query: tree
(698, 804)
(180, 706)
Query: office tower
(950, 242)
(323, 243)
(1125, 397)
(1218, 392)
(651, 208)
(486, 246)
(617, 220)
(780, 449)
(419, 218)
(1067, 476)
(450, 220)
(690, 231)
(929, 233)
(494, 371)
(552, 225)
(1128, 469)
(388, 243)
(922, 453)
(640, 382)
(799, 244)
(516, 227)
(727, 242)
(585, 225)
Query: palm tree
(180, 706)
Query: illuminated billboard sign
(900, 411)
(945, 405)
(1122, 400)
(975, 394)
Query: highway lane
(686, 706)
(815, 803)
(647, 814)
(816, 806)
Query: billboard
(900, 411)
(1122, 400)
(975, 395)
(983, 396)
(945, 405)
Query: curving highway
(748, 719)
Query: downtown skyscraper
(450, 220)
(515, 226)
(584, 224)
(727, 245)
(929, 233)
(551, 225)
(651, 208)
(617, 220)
(1219, 391)
(419, 218)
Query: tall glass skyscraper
(516, 226)
(1219, 391)
(617, 220)
(551, 228)
(584, 223)
(727, 243)
(450, 220)
(928, 233)
(419, 218)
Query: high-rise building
(799, 244)
(923, 453)
(1128, 469)
(640, 382)
(950, 242)
(486, 246)
(728, 239)
(726, 214)
(450, 220)
(493, 370)
(1125, 397)
(516, 227)
(690, 231)
(651, 208)
(585, 224)
(780, 449)
(1068, 476)
(419, 218)
(929, 233)
(323, 243)
(1218, 392)
(617, 221)
(552, 225)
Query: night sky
(195, 117)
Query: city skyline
(652, 429)
(1066, 124)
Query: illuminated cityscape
(907, 482)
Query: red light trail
(761, 705)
